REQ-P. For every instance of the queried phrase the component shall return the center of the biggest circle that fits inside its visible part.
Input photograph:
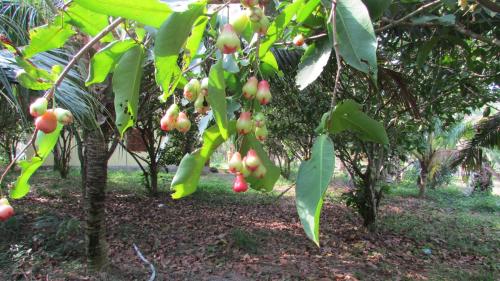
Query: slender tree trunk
(95, 186)
(422, 179)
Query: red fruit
(263, 94)
(38, 107)
(244, 124)
(165, 124)
(250, 88)
(260, 172)
(252, 161)
(46, 123)
(169, 121)
(240, 184)
(298, 40)
(228, 41)
(183, 124)
(6, 210)
(235, 164)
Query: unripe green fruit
(249, 3)
(252, 161)
(64, 116)
(244, 170)
(183, 124)
(204, 86)
(244, 124)
(46, 123)
(260, 172)
(250, 88)
(192, 90)
(235, 163)
(240, 23)
(263, 93)
(38, 107)
(201, 105)
(261, 133)
(259, 119)
(263, 25)
(228, 41)
(255, 14)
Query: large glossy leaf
(347, 115)
(33, 83)
(194, 40)
(279, 25)
(217, 97)
(126, 84)
(104, 61)
(48, 37)
(171, 37)
(87, 21)
(312, 63)
(148, 12)
(273, 173)
(188, 174)
(313, 179)
(356, 37)
(44, 143)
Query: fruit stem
(333, 17)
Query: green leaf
(148, 12)
(87, 21)
(104, 61)
(44, 143)
(269, 65)
(171, 37)
(313, 62)
(279, 25)
(48, 37)
(307, 10)
(356, 37)
(126, 84)
(273, 173)
(377, 7)
(188, 174)
(347, 115)
(30, 82)
(217, 97)
(194, 40)
(445, 19)
(313, 179)
(424, 51)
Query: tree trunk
(95, 187)
(422, 179)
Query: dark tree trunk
(95, 185)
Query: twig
(423, 7)
(48, 95)
(333, 17)
(209, 54)
(283, 193)
(32, 141)
(310, 38)
(151, 266)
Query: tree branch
(396, 22)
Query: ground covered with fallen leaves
(219, 235)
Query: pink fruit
(6, 210)
(244, 124)
(240, 184)
(261, 133)
(252, 161)
(235, 163)
(250, 88)
(263, 93)
(228, 41)
(240, 23)
(64, 116)
(183, 124)
(169, 121)
(192, 90)
(298, 40)
(260, 172)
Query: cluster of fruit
(249, 165)
(228, 41)
(46, 119)
(174, 119)
(6, 210)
